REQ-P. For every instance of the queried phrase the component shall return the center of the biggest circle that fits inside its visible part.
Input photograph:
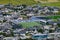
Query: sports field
(29, 24)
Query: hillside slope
(28, 2)
(47, 0)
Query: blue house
(39, 36)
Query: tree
(41, 30)
(29, 39)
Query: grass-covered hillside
(29, 2)
(47, 0)
(57, 4)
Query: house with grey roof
(1, 37)
(1, 6)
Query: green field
(54, 17)
(57, 4)
(17, 2)
(29, 24)
(28, 2)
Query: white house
(10, 38)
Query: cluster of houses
(38, 10)
(11, 16)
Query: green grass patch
(29, 24)
(57, 4)
(29, 2)
(17, 2)
(54, 17)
